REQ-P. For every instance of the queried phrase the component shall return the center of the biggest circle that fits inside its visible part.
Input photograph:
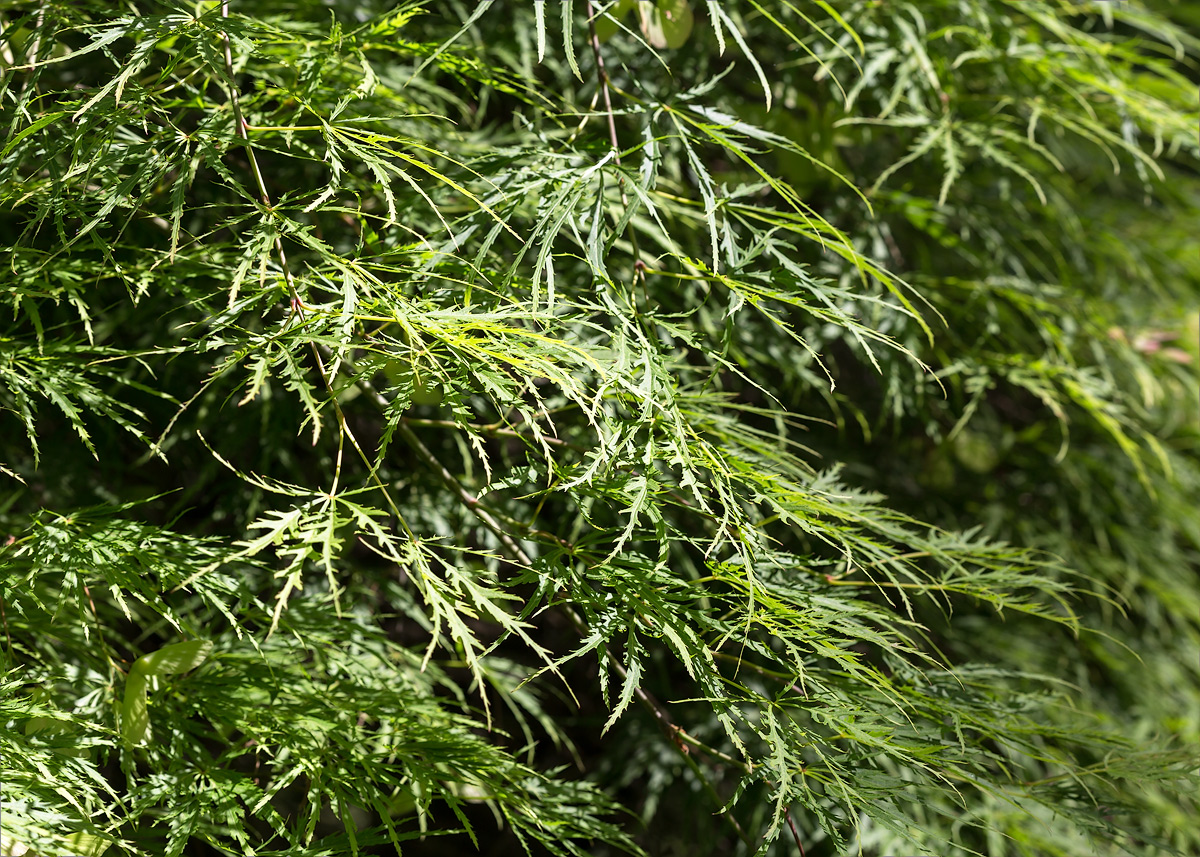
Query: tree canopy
(652, 427)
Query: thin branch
(491, 429)
(241, 130)
(639, 267)
(468, 499)
(795, 834)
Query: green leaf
(174, 659)
(33, 128)
(169, 660)
(135, 715)
(606, 22)
(666, 23)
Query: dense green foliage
(757, 427)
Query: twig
(795, 835)
(492, 429)
(639, 267)
(468, 499)
(241, 130)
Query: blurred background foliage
(711, 427)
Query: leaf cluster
(422, 419)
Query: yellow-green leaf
(87, 845)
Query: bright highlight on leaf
(174, 659)
(87, 845)
(170, 660)
(135, 714)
